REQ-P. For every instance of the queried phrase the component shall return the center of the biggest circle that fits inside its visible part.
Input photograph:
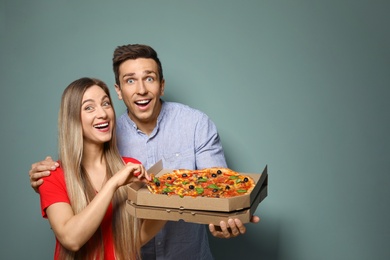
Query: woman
(85, 198)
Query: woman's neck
(95, 165)
(92, 156)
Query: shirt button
(159, 243)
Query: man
(153, 129)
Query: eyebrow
(88, 100)
(145, 72)
(150, 72)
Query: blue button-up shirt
(183, 138)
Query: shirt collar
(160, 117)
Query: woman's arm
(73, 231)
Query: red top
(53, 190)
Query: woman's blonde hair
(79, 187)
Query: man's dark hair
(132, 52)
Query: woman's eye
(106, 103)
(88, 108)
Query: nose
(142, 88)
(101, 112)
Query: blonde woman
(84, 199)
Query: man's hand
(232, 228)
(39, 170)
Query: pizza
(213, 182)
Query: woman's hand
(131, 172)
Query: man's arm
(209, 154)
(39, 170)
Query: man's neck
(148, 126)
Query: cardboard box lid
(195, 216)
(141, 196)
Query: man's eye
(150, 79)
(130, 81)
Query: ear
(162, 87)
(118, 91)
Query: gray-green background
(301, 86)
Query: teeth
(101, 125)
(143, 102)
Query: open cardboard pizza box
(143, 204)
